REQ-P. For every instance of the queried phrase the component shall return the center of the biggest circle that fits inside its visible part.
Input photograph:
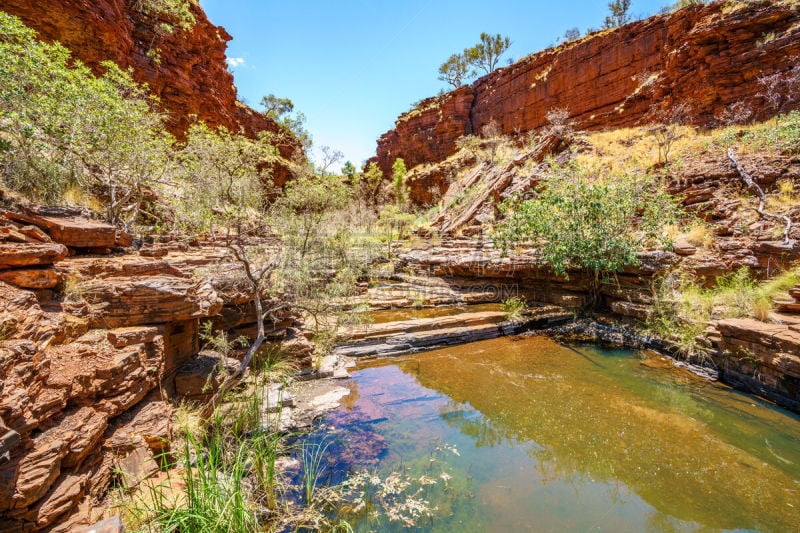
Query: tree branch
(748, 179)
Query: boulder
(122, 337)
(68, 228)
(134, 301)
(29, 254)
(31, 278)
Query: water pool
(524, 434)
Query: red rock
(191, 79)
(150, 421)
(8, 233)
(68, 228)
(682, 247)
(137, 466)
(122, 337)
(27, 254)
(31, 278)
(124, 301)
(35, 233)
(794, 292)
(707, 56)
(63, 498)
(124, 239)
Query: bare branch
(748, 179)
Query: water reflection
(557, 438)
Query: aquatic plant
(514, 307)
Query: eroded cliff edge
(186, 69)
(709, 56)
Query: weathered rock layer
(708, 56)
(93, 349)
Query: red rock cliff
(189, 76)
(710, 56)
(185, 69)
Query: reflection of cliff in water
(690, 449)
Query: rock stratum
(708, 56)
(185, 69)
(95, 350)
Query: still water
(524, 434)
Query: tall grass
(682, 308)
(313, 467)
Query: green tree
(281, 111)
(275, 107)
(222, 180)
(222, 188)
(399, 182)
(486, 54)
(307, 201)
(349, 172)
(61, 126)
(368, 186)
(455, 70)
(582, 221)
(619, 14)
(395, 221)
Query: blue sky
(352, 66)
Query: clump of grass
(682, 308)
(514, 308)
(699, 235)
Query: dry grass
(698, 235)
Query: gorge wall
(708, 56)
(185, 69)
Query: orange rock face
(702, 56)
(185, 69)
(191, 77)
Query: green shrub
(581, 220)
(514, 307)
(62, 127)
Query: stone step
(788, 306)
(389, 329)
(431, 333)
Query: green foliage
(584, 221)
(178, 12)
(455, 70)
(280, 110)
(619, 14)
(349, 172)
(395, 221)
(683, 307)
(367, 186)
(276, 107)
(306, 202)
(222, 180)
(680, 4)
(486, 54)
(399, 182)
(60, 126)
(783, 136)
(514, 307)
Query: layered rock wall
(186, 69)
(708, 56)
(94, 348)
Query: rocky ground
(99, 342)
